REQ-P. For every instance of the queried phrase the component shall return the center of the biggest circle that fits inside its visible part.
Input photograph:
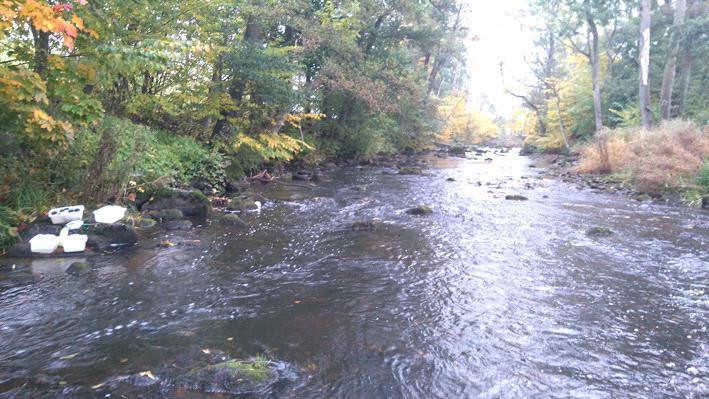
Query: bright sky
(503, 37)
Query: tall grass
(668, 157)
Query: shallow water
(484, 298)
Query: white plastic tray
(44, 243)
(74, 243)
(66, 214)
(109, 214)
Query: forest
(623, 83)
(101, 95)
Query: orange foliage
(57, 19)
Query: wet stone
(232, 220)
(146, 223)
(79, 268)
(178, 225)
(420, 210)
(599, 232)
(410, 171)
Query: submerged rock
(301, 175)
(146, 223)
(232, 220)
(365, 225)
(599, 232)
(516, 197)
(79, 268)
(178, 225)
(235, 377)
(241, 204)
(420, 210)
(189, 202)
(410, 170)
(255, 377)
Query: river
(484, 298)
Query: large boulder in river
(105, 237)
(190, 202)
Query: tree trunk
(253, 36)
(441, 56)
(668, 77)
(685, 70)
(41, 52)
(595, 72)
(562, 128)
(644, 78)
(98, 186)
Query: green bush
(143, 155)
(8, 221)
(703, 176)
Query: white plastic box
(74, 243)
(109, 214)
(44, 243)
(66, 214)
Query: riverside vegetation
(102, 100)
(585, 98)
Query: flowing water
(484, 298)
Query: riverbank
(566, 168)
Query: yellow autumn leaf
(77, 21)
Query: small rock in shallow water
(233, 220)
(410, 171)
(420, 210)
(146, 223)
(178, 225)
(450, 179)
(599, 232)
(79, 268)
(242, 204)
(365, 225)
